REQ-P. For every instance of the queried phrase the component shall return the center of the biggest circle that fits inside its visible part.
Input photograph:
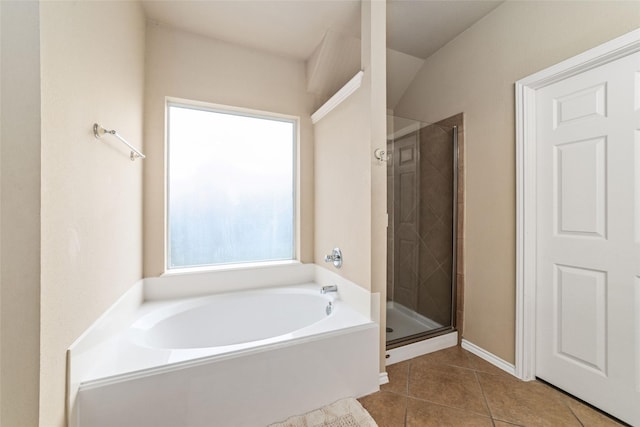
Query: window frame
(238, 111)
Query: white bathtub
(234, 359)
(235, 320)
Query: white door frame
(526, 185)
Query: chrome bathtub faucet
(328, 288)
(335, 257)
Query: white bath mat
(343, 413)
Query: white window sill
(228, 267)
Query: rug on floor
(343, 413)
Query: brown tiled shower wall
(435, 230)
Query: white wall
(475, 74)
(92, 70)
(20, 219)
(189, 66)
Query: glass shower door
(421, 181)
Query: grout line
(580, 401)
(406, 382)
(406, 392)
(406, 410)
(484, 396)
(456, 408)
(563, 402)
(574, 414)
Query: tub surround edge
(198, 282)
(354, 295)
(81, 353)
(194, 363)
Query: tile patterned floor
(453, 387)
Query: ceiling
(419, 28)
(285, 27)
(295, 28)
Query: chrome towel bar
(98, 131)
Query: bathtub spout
(329, 288)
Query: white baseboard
(489, 357)
(384, 378)
(419, 348)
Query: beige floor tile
(589, 417)
(387, 409)
(446, 385)
(453, 387)
(453, 356)
(425, 414)
(398, 378)
(527, 403)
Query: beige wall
(20, 219)
(343, 187)
(350, 186)
(92, 70)
(375, 60)
(189, 66)
(475, 74)
(2, 72)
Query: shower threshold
(438, 340)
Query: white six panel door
(588, 236)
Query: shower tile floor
(404, 322)
(453, 387)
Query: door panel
(581, 316)
(580, 202)
(588, 250)
(582, 104)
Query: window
(230, 186)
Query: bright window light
(230, 187)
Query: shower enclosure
(422, 180)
